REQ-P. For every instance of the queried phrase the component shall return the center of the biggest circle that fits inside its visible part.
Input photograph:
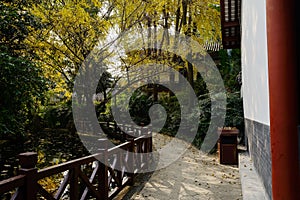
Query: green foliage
(21, 81)
(173, 111)
(59, 35)
(205, 119)
(21, 86)
(230, 69)
(139, 106)
(15, 24)
(58, 116)
(235, 111)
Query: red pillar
(283, 80)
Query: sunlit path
(193, 176)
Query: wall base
(258, 139)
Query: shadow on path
(194, 175)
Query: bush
(21, 87)
(22, 84)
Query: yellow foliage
(52, 183)
(72, 28)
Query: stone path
(252, 186)
(193, 176)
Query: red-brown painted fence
(103, 183)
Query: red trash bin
(227, 146)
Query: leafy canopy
(21, 83)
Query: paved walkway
(193, 176)
(252, 186)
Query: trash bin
(227, 146)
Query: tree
(199, 20)
(21, 81)
(73, 28)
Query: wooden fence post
(149, 148)
(147, 132)
(28, 168)
(129, 135)
(151, 136)
(115, 126)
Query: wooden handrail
(55, 169)
(49, 171)
(11, 183)
(104, 174)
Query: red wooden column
(283, 80)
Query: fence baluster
(131, 160)
(74, 184)
(103, 186)
(119, 166)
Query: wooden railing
(112, 170)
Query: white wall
(255, 61)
